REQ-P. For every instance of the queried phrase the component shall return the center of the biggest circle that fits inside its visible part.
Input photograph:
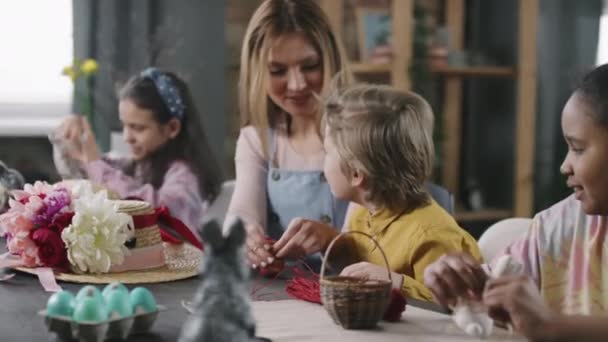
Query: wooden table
(279, 319)
(292, 320)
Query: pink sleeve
(525, 251)
(249, 198)
(179, 191)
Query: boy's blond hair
(387, 135)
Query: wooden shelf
(483, 215)
(476, 71)
(369, 68)
(523, 72)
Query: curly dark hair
(594, 90)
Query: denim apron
(305, 194)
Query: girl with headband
(171, 163)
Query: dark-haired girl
(171, 163)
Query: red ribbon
(162, 217)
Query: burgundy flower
(61, 221)
(51, 249)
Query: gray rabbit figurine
(221, 309)
(10, 179)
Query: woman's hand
(455, 276)
(372, 271)
(258, 248)
(518, 300)
(304, 237)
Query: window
(37, 43)
(602, 45)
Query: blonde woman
(289, 56)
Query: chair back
(442, 196)
(501, 234)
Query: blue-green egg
(88, 291)
(142, 300)
(118, 304)
(61, 304)
(90, 310)
(114, 287)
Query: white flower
(95, 239)
(79, 188)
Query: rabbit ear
(211, 234)
(236, 233)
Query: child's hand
(304, 237)
(372, 271)
(517, 298)
(70, 128)
(78, 132)
(258, 249)
(455, 276)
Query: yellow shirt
(411, 242)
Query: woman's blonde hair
(387, 135)
(272, 19)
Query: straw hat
(180, 261)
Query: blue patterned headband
(167, 90)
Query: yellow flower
(89, 67)
(70, 72)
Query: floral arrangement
(68, 228)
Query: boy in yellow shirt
(379, 149)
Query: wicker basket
(355, 303)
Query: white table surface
(294, 320)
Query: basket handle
(331, 245)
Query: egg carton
(114, 328)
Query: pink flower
(30, 208)
(51, 249)
(31, 190)
(15, 224)
(26, 249)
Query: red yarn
(304, 285)
(395, 307)
(274, 269)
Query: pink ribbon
(47, 279)
(7, 260)
(7, 276)
(45, 274)
(141, 259)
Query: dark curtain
(125, 36)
